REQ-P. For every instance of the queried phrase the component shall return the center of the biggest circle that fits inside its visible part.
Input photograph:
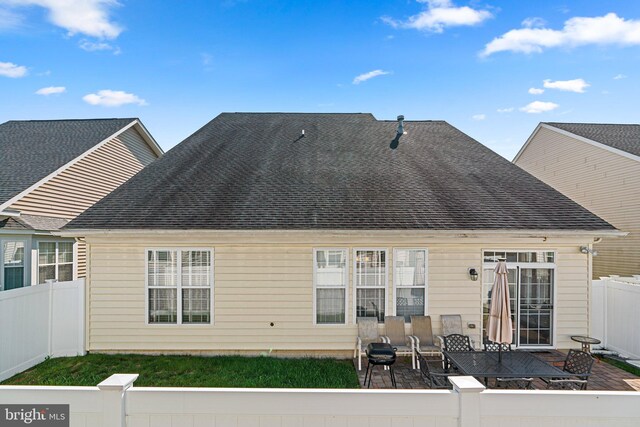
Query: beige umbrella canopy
(500, 329)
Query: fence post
(114, 390)
(468, 390)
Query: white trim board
(134, 123)
(576, 137)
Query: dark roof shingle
(625, 137)
(31, 150)
(254, 171)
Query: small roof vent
(400, 130)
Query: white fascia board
(150, 140)
(533, 134)
(579, 138)
(398, 233)
(66, 166)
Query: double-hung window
(179, 286)
(330, 279)
(410, 282)
(12, 264)
(370, 278)
(55, 261)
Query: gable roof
(34, 149)
(625, 137)
(254, 171)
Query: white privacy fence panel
(615, 315)
(116, 403)
(40, 321)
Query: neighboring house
(598, 166)
(51, 171)
(275, 231)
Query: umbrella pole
(499, 353)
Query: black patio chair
(455, 342)
(494, 346)
(579, 364)
(514, 383)
(433, 373)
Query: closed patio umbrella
(500, 329)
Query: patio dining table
(514, 364)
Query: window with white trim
(12, 261)
(55, 261)
(370, 278)
(179, 284)
(330, 279)
(410, 282)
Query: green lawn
(191, 371)
(622, 365)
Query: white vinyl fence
(615, 314)
(40, 321)
(116, 403)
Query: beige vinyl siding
(90, 179)
(606, 183)
(259, 283)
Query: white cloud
(89, 17)
(479, 117)
(90, 46)
(439, 15)
(9, 69)
(113, 98)
(505, 110)
(534, 22)
(537, 107)
(576, 85)
(51, 90)
(9, 20)
(609, 29)
(536, 91)
(371, 74)
(619, 77)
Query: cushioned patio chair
(367, 333)
(422, 336)
(394, 334)
(433, 373)
(579, 364)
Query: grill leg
(366, 374)
(393, 377)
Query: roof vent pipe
(400, 130)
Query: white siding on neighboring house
(86, 182)
(257, 283)
(606, 183)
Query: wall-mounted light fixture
(473, 274)
(586, 250)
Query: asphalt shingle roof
(625, 137)
(255, 171)
(31, 150)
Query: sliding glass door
(531, 276)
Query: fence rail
(116, 403)
(40, 321)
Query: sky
(493, 69)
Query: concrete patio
(604, 376)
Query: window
(531, 277)
(330, 279)
(13, 264)
(410, 282)
(370, 282)
(55, 261)
(179, 284)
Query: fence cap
(464, 384)
(118, 382)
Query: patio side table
(586, 342)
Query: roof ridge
(73, 120)
(592, 123)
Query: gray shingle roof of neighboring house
(625, 137)
(32, 222)
(245, 171)
(31, 150)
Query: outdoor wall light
(586, 250)
(473, 274)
